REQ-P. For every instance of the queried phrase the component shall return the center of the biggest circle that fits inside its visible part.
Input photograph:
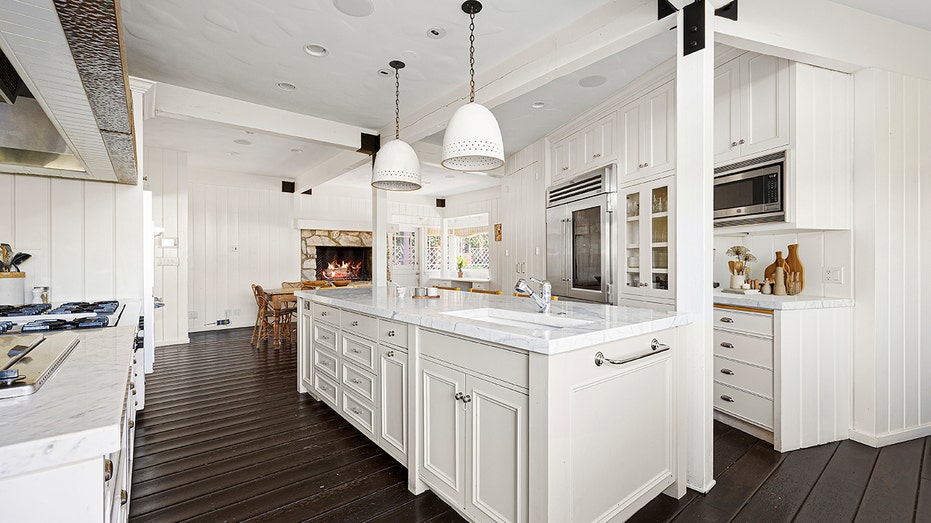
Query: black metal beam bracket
(694, 19)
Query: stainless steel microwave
(749, 194)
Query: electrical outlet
(833, 275)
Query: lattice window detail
(474, 250)
(403, 249)
(434, 252)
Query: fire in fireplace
(344, 263)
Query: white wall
(892, 238)
(241, 231)
(85, 237)
(817, 249)
(167, 178)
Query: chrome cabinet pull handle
(729, 372)
(324, 337)
(727, 398)
(355, 351)
(725, 319)
(357, 381)
(655, 346)
(356, 410)
(354, 324)
(458, 396)
(727, 345)
(467, 398)
(565, 168)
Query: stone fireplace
(346, 255)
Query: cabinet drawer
(392, 333)
(326, 362)
(359, 351)
(326, 314)
(758, 351)
(326, 390)
(324, 337)
(360, 324)
(744, 405)
(359, 381)
(495, 362)
(744, 376)
(359, 411)
(754, 323)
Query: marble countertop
(605, 322)
(771, 302)
(76, 414)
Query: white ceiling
(242, 48)
(212, 145)
(911, 12)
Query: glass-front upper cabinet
(649, 240)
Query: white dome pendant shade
(396, 167)
(472, 141)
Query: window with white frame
(434, 254)
(467, 245)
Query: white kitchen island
(507, 414)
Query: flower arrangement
(741, 265)
(460, 263)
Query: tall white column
(694, 230)
(379, 238)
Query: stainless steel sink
(531, 320)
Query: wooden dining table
(280, 299)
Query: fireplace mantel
(313, 238)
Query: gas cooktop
(34, 318)
(75, 307)
(59, 324)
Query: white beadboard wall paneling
(68, 244)
(32, 216)
(167, 175)
(478, 202)
(891, 349)
(128, 235)
(99, 266)
(817, 249)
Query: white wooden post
(379, 238)
(694, 214)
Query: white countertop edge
(533, 341)
(55, 451)
(772, 302)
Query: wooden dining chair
(482, 291)
(260, 329)
(291, 285)
(446, 288)
(519, 295)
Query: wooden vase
(795, 266)
(770, 272)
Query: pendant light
(397, 167)
(472, 141)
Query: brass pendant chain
(472, 58)
(397, 104)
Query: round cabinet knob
(356, 410)
(565, 168)
(640, 166)
(355, 324)
(742, 141)
(646, 164)
(733, 144)
(467, 398)
(390, 354)
(390, 334)
(324, 337)
(323, 313)
(458, 396)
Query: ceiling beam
(830, 35)
(187, 104)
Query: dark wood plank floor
(837, 482)
(225, 437)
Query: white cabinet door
(444, 431)
(498, 441)
(392, 372)
(764, 103)
(561, 159)
(658, 131)
(727, 111)
(629, 128)
(649, 240)
(534, 218)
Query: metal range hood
(66, 106)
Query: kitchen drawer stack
(743, 365)
(360, 369)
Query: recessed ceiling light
(286, 86)
(297, 150)
(316, 50)
(242, 142)
(592, 81)
(354, 7)
(436, 33)
(538, 105)
(385, 72)
(233, 153)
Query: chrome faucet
(543, 298)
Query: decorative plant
(9, 260)
(460, 263)
(743, 258)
